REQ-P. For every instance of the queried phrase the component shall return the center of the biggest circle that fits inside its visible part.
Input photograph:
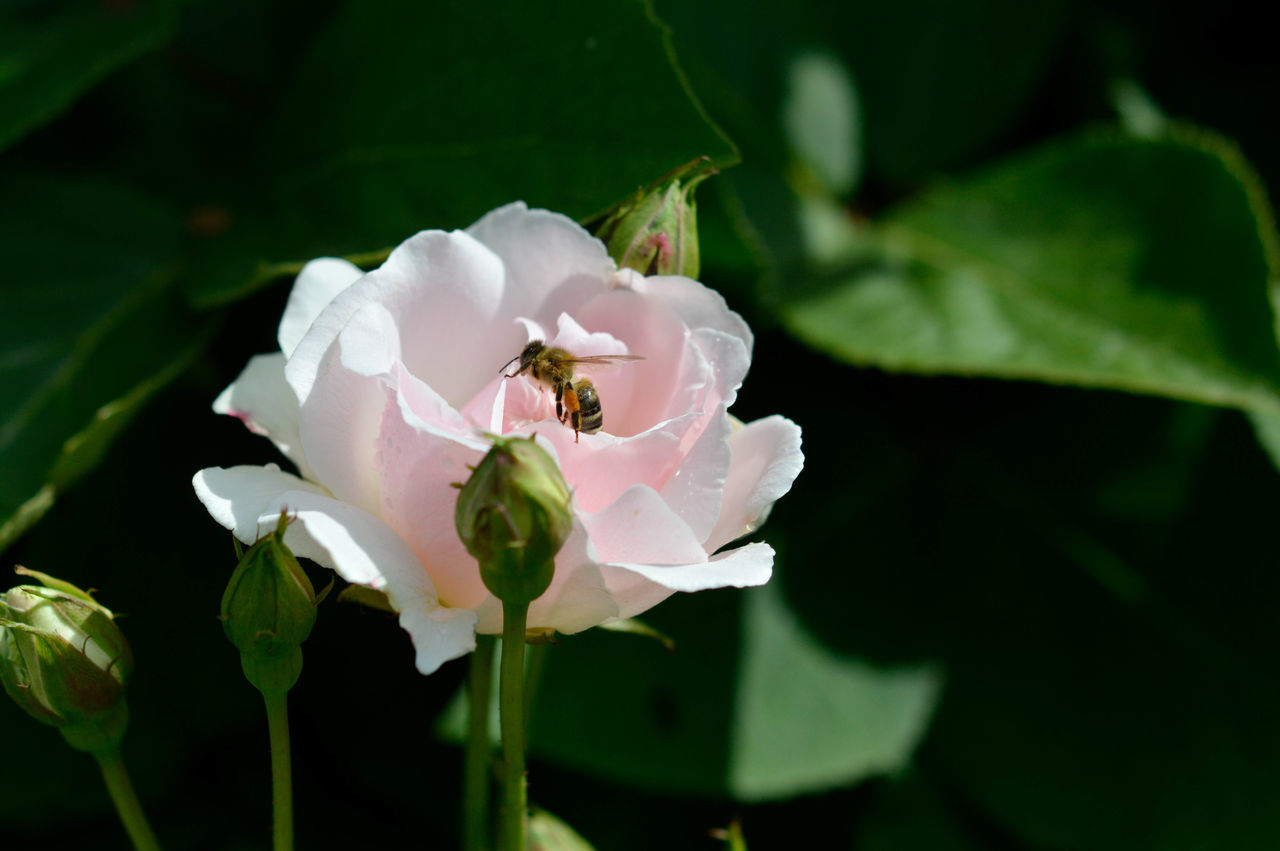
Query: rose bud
(655, 231)
(64, 661)
(513, 516)
(268, 610)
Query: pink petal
(741, 568)
(439, 633)
(339, 425)
(552, 264)
(445, 288)
(418, 461)
(261, 398)
(317, 284)
(766, 460)
(698, 305)
(696, 490)
(638, 395)
(238, 497)
(640, 527)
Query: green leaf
(820, 116)
(807, 718)
(49, 56)
(1101, 261)
(750, 705)
(429, 115)
(88, 331)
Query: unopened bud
(64, 660)
(514, 515)
(655, 231)
(268, 610)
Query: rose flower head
(389, 385)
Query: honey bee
(577, 402)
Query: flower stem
(537, 661)
(475, 790)
(511, 702)
(281, 769)
(116, 777)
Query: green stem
(475, 789)
(533, 677)
(511, 703)
(116, 777)
(281, 769)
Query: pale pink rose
(386, 382)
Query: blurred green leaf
(51, 53)
(1099, 261)
(820, 116)
(1267, 429)
(89, 330)
(407, 117)
(749, 706)
(806, 718)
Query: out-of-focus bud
(513, 515)
(268, 610)
(64, 660)
(655, 231)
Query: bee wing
(601, 360)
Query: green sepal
(272, 674)
(101, 735)
(366, 596)
(635, 626)
(57, 584)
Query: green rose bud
(655, 231)
(268, 610)
(513, 515)
(64, 661)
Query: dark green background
(1007, 614)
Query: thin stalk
(116, 777)
(537, 661)
(511, 703)
(281, 769)
(475, 789)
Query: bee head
(530, 353)
(527, 356)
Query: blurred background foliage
(1006, 614)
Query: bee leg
(559, 405)
(572, 409)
